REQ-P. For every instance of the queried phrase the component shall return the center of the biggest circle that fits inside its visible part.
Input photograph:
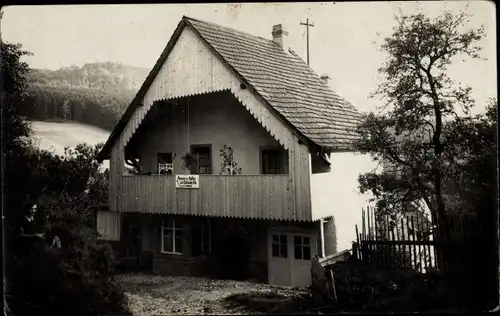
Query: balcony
(241, 196)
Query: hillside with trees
(95, 94)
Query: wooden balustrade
(241, 196)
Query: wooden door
(279, 258)
(302, 245)
(289, 256)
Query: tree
(411, 134)
(472, 189)
(430, 152)
(13, 83)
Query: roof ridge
(311, 74)
(229, 29)
(289, 49)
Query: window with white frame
(171, 236)
(302, 247)
(279, 246)
(165, 163)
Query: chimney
(325, 78)
(279, 35)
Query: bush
(361, 287)
(74, 277)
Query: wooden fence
(465, 260)
(408, 242)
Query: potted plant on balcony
(228, 164)
(187, 161)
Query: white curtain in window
(108, 225)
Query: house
(224, 136)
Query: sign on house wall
(187, 181)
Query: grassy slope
(54, 136)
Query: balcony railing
(243, 196)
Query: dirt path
(166, 295)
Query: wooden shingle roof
(280, 77)
(287, 83)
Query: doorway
(231, 247)
(289, 257)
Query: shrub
(73, 277)
(361, 287)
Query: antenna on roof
(307, 25)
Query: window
(202, 159)
(165, 165)
(302, 247)
(200, 237)
(171, 236)
(280, 245)
(273, 161)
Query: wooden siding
(116, 168)
(300, 178)
(192, 68)
(260, 196)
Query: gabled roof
(281, 79)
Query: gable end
(245, 84)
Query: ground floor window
(302, 247)
(280, 245)
(171, 236)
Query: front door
(279, 259)
(301, 260)
(289, 254)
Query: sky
(344, 42)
